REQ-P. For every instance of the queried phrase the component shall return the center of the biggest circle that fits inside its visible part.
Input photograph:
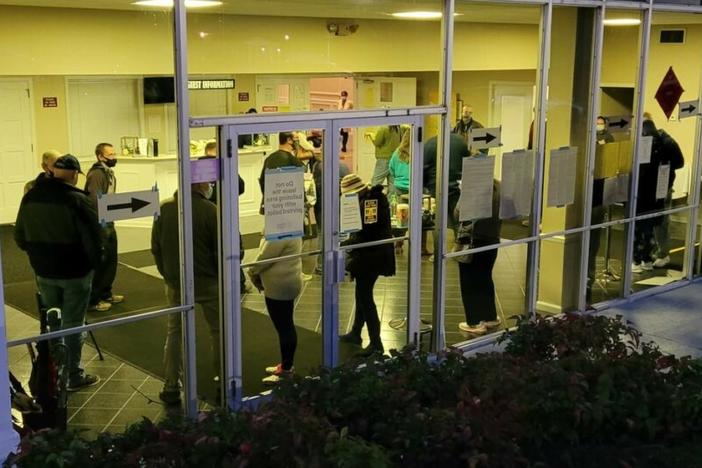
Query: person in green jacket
(385, 140)
(399, 167)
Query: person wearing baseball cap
(366, 264)
(58, 228)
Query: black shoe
(84, 381)
(370, 350)
(351, 337)
(170, 397)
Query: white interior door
(512, 109)
(17, 162)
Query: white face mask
(209, 191)
(600, 127)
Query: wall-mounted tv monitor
(159, 90)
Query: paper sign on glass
(645, 148)
(516, 186)
(609, 192)
(622, 194)
(476, 188)
(662, 182)
(350, 214)
(284, 202)
(561, 176)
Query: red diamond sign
(669, 92)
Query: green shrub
(575, 391)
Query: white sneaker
(636, 268)
(661, 262)
(647, 266)
(474, 329)
(491, 323)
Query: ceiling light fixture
(622, 22)
(169, 3)
(417, 14)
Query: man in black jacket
(101, 181)
(285, 156)
(57, 226)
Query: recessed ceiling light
(169, 3)
(622, 22)
(417, 14)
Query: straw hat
(352, 184)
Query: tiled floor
(123, 396)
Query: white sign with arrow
(688, 109)
(481, 138)
(618, 123)
(116, 206)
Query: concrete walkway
(672, 319)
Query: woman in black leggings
(365, 265)
(281, 283)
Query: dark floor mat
(15, 263)
(137, 258)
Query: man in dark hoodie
(101, 181)
(57, 227)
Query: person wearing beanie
(366, 264)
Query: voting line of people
(73, 255)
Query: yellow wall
(67, 41)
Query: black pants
(107, 269)
(281, 313)
(477, 287)
(344, 139)
(366, 311)
(644, 241)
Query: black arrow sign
(136, 204)
(688, 109)
(487, 138)
(621, 123)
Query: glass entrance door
(330, 255)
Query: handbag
(463, 242)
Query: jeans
(366, 310)
(71, 296)
(597, 217)
(106, 271)
(381, 172)
(478, 288)
(661, 232)
(281, 313)
(206, 297)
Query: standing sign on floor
(284, 202)
(128, 205)
(688, 109)
(618, 123)
(476, 188)
(350, 214)
(561, 176)
(482, 138)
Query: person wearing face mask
(165, 247)
(466, 123)
(285, 156)
(47, 165)
(57, 226)
(101, 181)
(603, 135)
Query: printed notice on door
(561, 176)
(350, 214)
(476, 188)
(284, 203)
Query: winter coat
(375, 216)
